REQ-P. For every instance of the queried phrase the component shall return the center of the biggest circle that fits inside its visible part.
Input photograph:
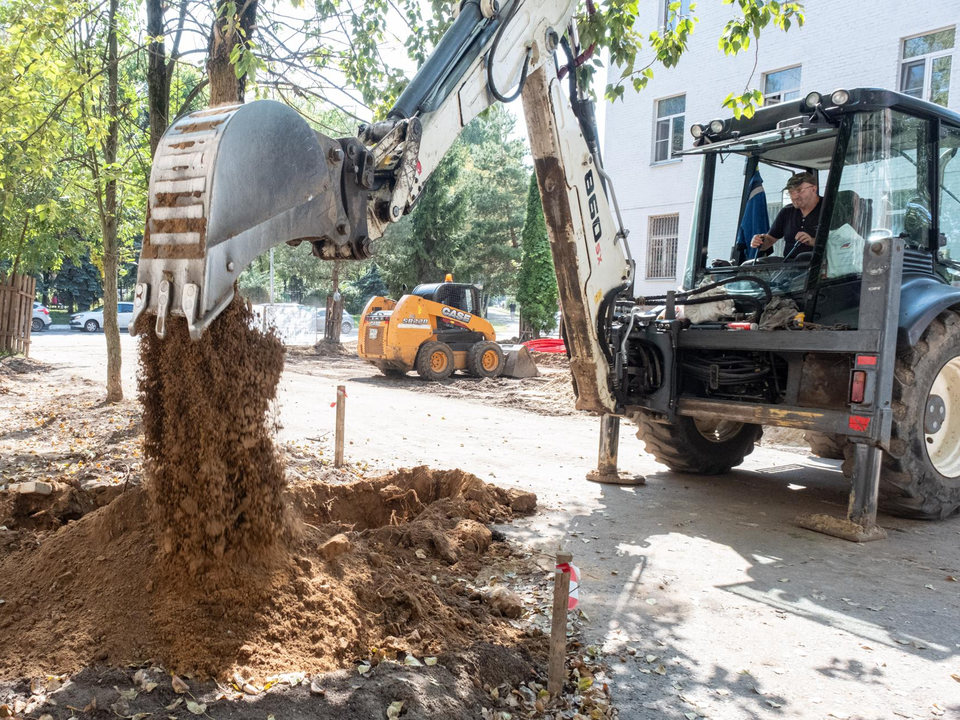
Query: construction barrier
(16, 313)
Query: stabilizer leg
(606, 471)
(860, 524)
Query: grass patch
(60, 317)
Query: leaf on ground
(773, 704)
(651, 601)
(393, 711)
(174, 705)
(363, 669)
(196, 708)
(130, 694)
(421, 554)
(430, 661)
(179, 686)
(412, 661)
(956, 677)
(660, 670)
(929, 587)
(584, 684)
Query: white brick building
(843, 43)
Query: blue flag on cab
(755, 220)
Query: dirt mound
(213, 475)
(380, 563)
(551, 360)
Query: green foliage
(77, 284)
(537, 293)
(613, 26)
(368, 285)
(469, 218)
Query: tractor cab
(458, 295)
(884, 165)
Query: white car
(92, 320)
(41, 318)
(346, 324)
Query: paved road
(745, 614)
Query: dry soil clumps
(213, 474)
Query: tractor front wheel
(485, 359)
(693, 445)
(435, 361)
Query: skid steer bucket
(229, 183)
(518, 362)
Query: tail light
(858, 387)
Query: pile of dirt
(379, 564)
(213, 474)
(551, 360)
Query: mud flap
(518, 362)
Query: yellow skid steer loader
(436, 330)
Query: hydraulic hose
(492, 54)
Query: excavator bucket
(518, 362)
(229, 183)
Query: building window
(781, 86)
(662, 247)
(673, 11)
(925, 66)
(669, 130)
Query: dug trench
(218, 570)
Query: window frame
(665, 24)
(672, 157)
(664, 249)
(780, 99)
(927, 59)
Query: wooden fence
(16, 312)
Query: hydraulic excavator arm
(230, 182)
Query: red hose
(546, 345)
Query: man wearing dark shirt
(796, 223)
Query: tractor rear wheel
(826, 445)
(435, 361)
(704, 447)
(485, 359)
(921, 472)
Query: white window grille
(781, 85)
(925, 63)
(662, 247)
(668, 140)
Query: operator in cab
(796, 223)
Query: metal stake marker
(341, 413)
(558, 627)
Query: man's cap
(801, 178)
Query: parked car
(346, 325)
(41, 318)
(92, 320)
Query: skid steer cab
(436, 330)
(852, 335)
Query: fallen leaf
(393, 711)
(430, 660)
(929, 587)
(179, 686)
(956, 677)
(130, 694)
(951, 578)
(584, 684)
(174, 705)
(317, 689)
(773, 704)
(421, 554)
(651, 601)
(651, 658)
(722, 691)
(412, 661)
(363, 669)
(196, 708)
(660, 670)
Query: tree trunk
(225, 86)
(108, 217)
(158, 84)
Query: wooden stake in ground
(341, 413)
(558, 628)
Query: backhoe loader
(874, 364)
